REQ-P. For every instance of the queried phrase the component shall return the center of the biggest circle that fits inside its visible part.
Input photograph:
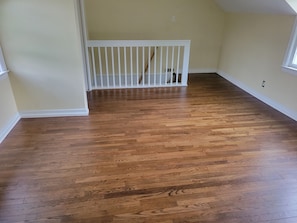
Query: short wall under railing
(137, 63)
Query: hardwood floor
(206, 153)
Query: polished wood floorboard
(205, 153)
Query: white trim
(54, 113)
(286, 111)
(288, 65)
(141, 86)
(186, 62)
(202, 70)
(10, 125)
(289, 70)
(3, 76)
(83, 29)
(3, 72)
(2, 62)
(139, 43)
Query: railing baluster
(112, 65)
(177, 63)
(166, 77)
(155, 66)
(172, 64)
(94, 67)
(137, 66)
(119, 66)
(161, 64)
(125, 65)
(149, 67)
(143, 66)
(106, 68)
(100, 66)
(131, 64)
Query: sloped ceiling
(256, 6)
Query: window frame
(291, 53)
(3, 68)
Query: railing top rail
(137, 43)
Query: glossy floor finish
(206, 153)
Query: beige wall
(201, 21)
(41, 43)
(253, 50)
(8, 109)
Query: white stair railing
(138, 63)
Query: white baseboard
(202, 70)
(54, 113)
(10, 125)
(286, 111)
(40, 114)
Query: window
(3, 69)
(290, 61)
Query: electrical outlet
(263, 83)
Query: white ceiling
(256, 6)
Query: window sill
(3, 74)
(289, 70)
